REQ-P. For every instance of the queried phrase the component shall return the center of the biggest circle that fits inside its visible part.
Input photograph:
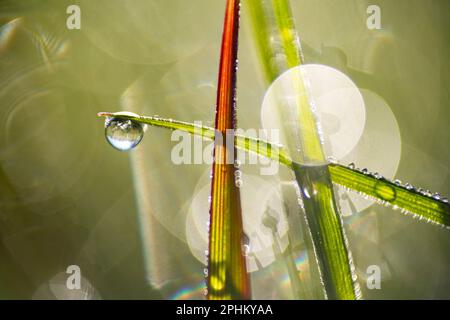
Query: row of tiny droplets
(397, 182)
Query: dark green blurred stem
(279, 48)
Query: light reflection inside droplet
(123, 134)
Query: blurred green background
(68, 198)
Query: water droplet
(376, 175)
(436, 196)
(408, 186)
(245, 244)
(445, 200)
(351, 166)
(332, 160)
(306, 193)
(123, 134)
(365, 171)
(385, 191)
(397, 182)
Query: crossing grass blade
(279, 47)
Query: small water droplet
(397, 182)
(436, 196)
(123, 134)
(351, 166)
(376, 175)
(408, 186)
(385, 191)
(365, 171)
(245, 244)
(445, 200)
(332, 160)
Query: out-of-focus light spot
(378, 149)
(261, 198)
(337, 101)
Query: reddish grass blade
(227, 272)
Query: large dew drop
(123, 134)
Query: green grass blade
(279, 44)
(407, 199)
(424, 205)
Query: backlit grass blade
(227, 272)
(407, 199)
(279, 45)
(421, 204)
